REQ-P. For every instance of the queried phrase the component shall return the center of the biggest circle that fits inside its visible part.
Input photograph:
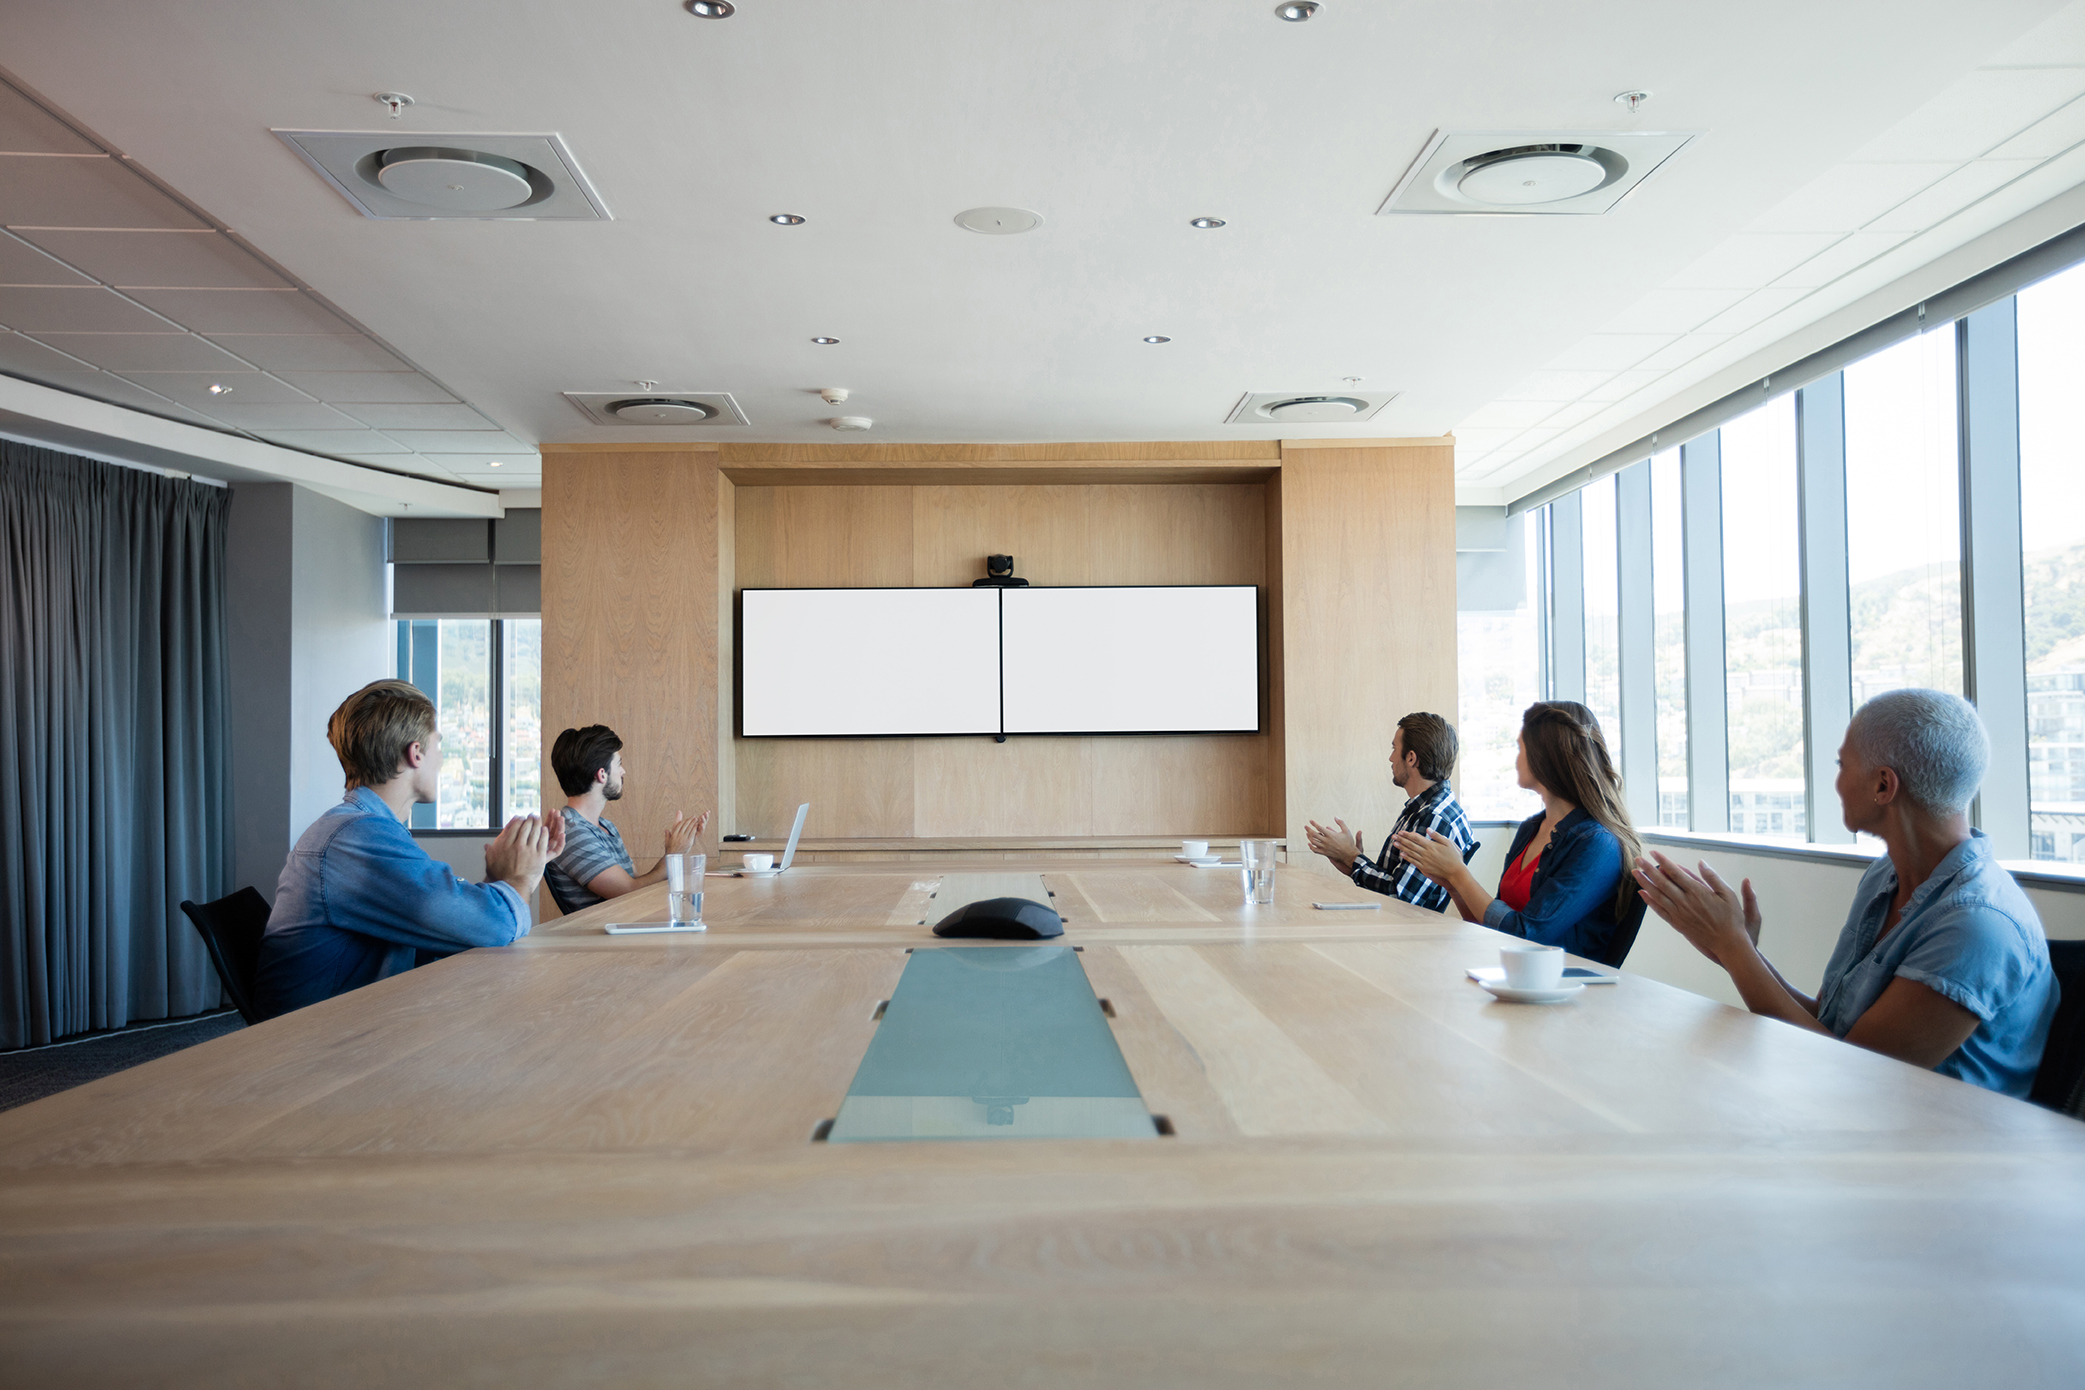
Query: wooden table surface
(588, 1159)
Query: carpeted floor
(36, 1072)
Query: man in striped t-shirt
(1422, 751)
(595, 865)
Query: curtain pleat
(114, 743)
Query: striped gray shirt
(588, 850)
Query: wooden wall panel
(630, 624)
(1368, 622)
(938, 534)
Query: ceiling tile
(457, 441)
(353, 388)
(200, 260)
(2048, 137)
(341, 442)
(145, 352)
(310, 352)
(1609, 351)
(1751, 259)
(243, 311)
(1849, 196)
(1572, 416)
(1968, 117)
(41, 309)
(1556, 386)
(193, 388)
(1622, 385)
(1672, 311)
(23, 264)
(1842, 258)
(397, 463)
(115, 390)
(1756, 308)
(420, 417)
(42, 191)
(29, 357)
(1682, 352)
(26, 128)
(1504, 415)
(261, 415)
(2057, 39)
(1953, 193)
(514, 460)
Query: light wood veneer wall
(1353, 547)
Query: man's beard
(612, 792)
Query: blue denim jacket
(358, 900)
(1968, 933)
(1571, 902)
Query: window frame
(495, 772)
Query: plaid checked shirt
(1433, 809)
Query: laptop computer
(796, 832)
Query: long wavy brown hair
(1568, 756)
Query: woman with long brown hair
(1563, 884)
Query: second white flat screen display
(825, 662)
(1157, 660)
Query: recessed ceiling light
(1206, 223)
(1296, 12)
(712, 9)
(494, 463)
(218, 388)
(825, 342)
(786, 219)
(1155, 338)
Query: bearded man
(595, 866)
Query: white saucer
(1533, 996)
(1200, 861)
(757, 873)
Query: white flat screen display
(824, 662)
(1156, 660)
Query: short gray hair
(1935, 743)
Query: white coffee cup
(1529, 966)
(1195, 849)
(759, 861)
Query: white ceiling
(1832, 135)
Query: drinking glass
(1257, 875)
(684, 888)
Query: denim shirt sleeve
(1587, 873)
(1973, 955)
(379, 883)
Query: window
(474, 669)
(1603, 614)
(2052, 536)
(1762, 622)
(1498, 633)
(1669, 612)
(1903, 518)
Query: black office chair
(232, 929)
(1625, 934)
(559, 898)
(2060, 1082)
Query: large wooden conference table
(589, 1159)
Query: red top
(1516, 882)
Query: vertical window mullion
(1827, 604)
(1994, 641)
(496, 720)
(1701, 524)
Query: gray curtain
(115, 760)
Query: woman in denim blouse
(1576, 845)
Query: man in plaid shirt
(1422, 751)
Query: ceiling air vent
(658, 409)
(1523, 173)
(1308, 408)
(393, 174)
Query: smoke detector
(999, 221)
(833, 395)
(457, 176)
(1308, 407)
(1574, 173)
(851, 422)
(658, 409)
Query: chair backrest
(232, 929)
(2060, 1081)
(1625, 933)
(559, 898)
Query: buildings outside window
(1669, 613)
(1603, 665)
(1762, 622)
(2052, 536)
(471, 667)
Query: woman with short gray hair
(1942, 962)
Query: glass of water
(684, 888)
(1258, 873)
